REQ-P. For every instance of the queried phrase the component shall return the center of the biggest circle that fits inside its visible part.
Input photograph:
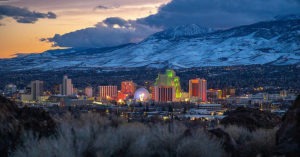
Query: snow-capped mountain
(274, 42)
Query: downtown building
(88, 91)
(128, 89)
(108, 92)
(164, 94)
(10, 89)
(67, 86)
(37, 89)
(33, 92)
(167, 87)
(213, 95)
(198, 89)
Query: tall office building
(198, 89)
(128, 88)
(88, 91)
(108, 92)
(37, 89)
(167, 80)
(164, 94)
(67, 86)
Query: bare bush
(47, 147)
(260, 142)
(263, 142)
(75, 137)
(175, 140)
(239, 134)
(200, 145)
(117, 141)
(95, 136)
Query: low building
(210, 107)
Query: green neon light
(169, 79)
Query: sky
(34, 26)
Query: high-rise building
(167, 80)
(164, 94)
(214, 94)
(228, 92)
(88, 91)
(108, 92)
(198, 89)
(128, 88)
(194, 88)
(56, 89)
(10, 88)
(67, 86)
(37, 89)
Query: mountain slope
(182, 31)
(271, 42)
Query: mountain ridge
(274, 42)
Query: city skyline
(147, 78)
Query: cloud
(216, 14)
(112, 31)
(102, 7)
(220, 13)
(23, 15)
(111, 21)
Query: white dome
(141, 94)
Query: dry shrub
(175, 140)
(117, 141)
(239, 134)
(161, 141)
(260, 142)
(75, 137)
(200, 145)
(263, 141)
(46, 147)
(95, 136)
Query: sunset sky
(72, 15)
(33, 26)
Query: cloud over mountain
(110, 32)
(220, 13)
(217, 14)
(23, 15)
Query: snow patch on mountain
(271, 42)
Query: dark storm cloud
(23, 15)
(110, 32)
(220, 13)
(115, 31)
(111, 21)
(1, 24)
(101, 7)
